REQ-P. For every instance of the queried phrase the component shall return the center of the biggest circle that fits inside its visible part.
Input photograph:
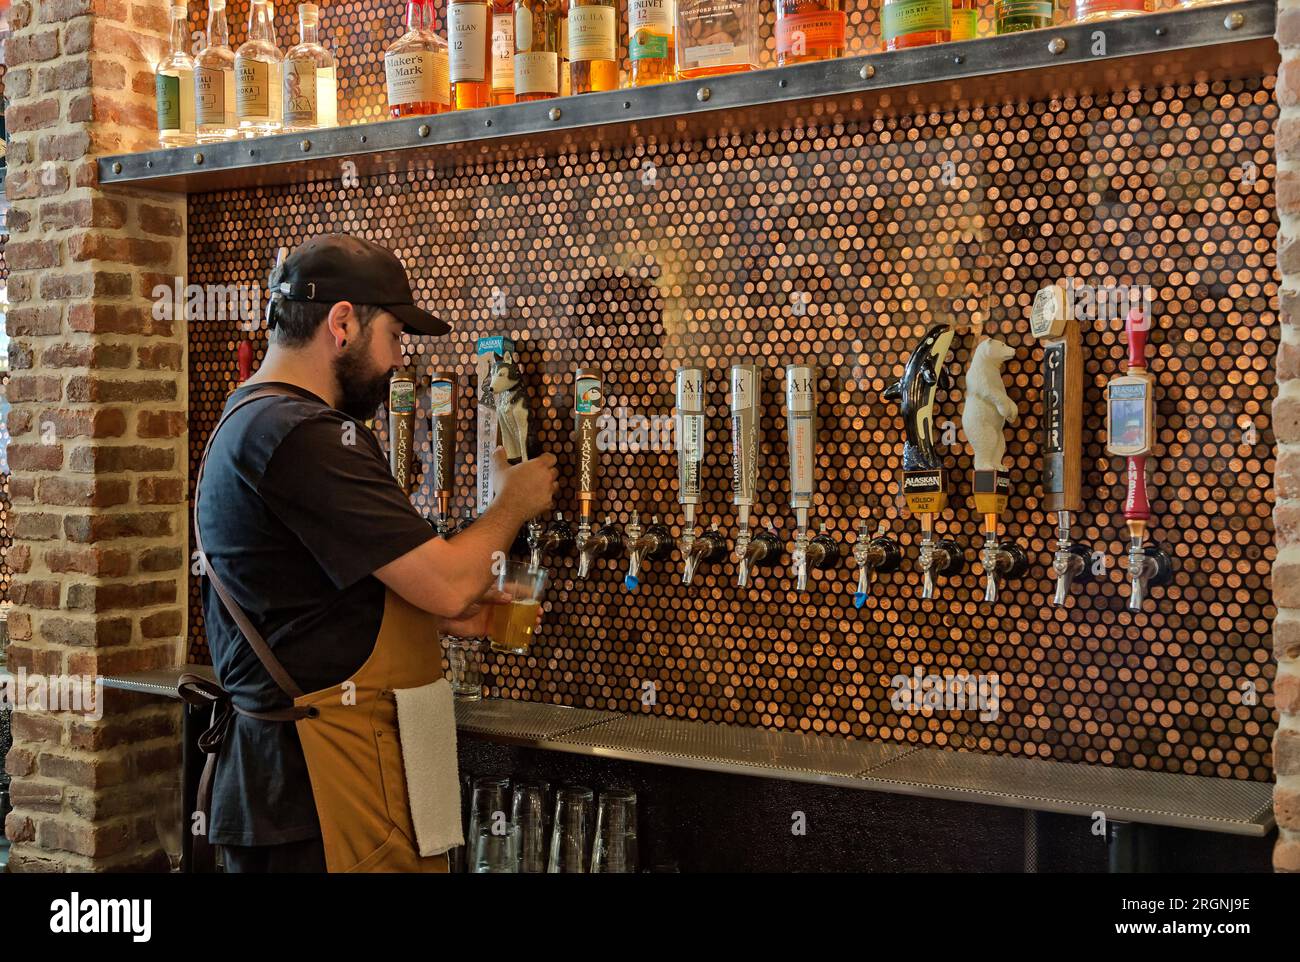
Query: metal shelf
(1184, 46)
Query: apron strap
(254, 637)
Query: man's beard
(361, 390)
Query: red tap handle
(1136, 506)
(1137, 327)
(245, 355)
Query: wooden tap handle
(1136, 505)
(1137, 326)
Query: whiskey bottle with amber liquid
(503, 52)
(716, 37)
(593, 46)
(651, 50)
(808, 30)
(469, 47)
(915, 23)
(537, 50)
(965, 19)
(1093, 11)
(415, 66)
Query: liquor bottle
(650, 46)
(716, 37)
(415, 67)
(1012, 16)
(469, 48)
(965, 19)
(593, 48)
(808, 30)
(258, 66)
(562, 16)
(503, 52)
(310, 78)
(1090, 11)
(174, 87)
(537, 56)
(915, 23)
(214, 81)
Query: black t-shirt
(298, 510)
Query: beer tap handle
(690, 394)
(987, 409)
(746, 388)
(401, 427)
(588, 401)
(801, 442)
(443, 396)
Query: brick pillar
(1286, 426)
(98, 451)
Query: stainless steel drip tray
(1122, 795)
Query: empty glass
(615, 848)
(492, 841)
(571, 831)
(464, 667)
(528, 814)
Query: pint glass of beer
(513, 623)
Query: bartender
(325, 589)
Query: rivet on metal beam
(149, 164)
(1056, 45)
(783, 83)
(117, 167)
(424, 130)
(703, 94)
(487, 123)
(959, 59)
(627, 105)
(305, 145)
(1234, 21)
(198, 158)
(1160, 31)
(555, 113)
(365, 139)
(867, 72)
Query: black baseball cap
(339, 267)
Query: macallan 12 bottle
(593, 46)
(915, 23)
(415, 68)
(537, 50)
(808, 30)
(503, 52)
(650, 46)
(716, 37)
(310, 78)
(174, 87)
(469, 49)
(214, 81)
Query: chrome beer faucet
(691, 400)
(555, 539)
(709, 546)
(761, 550)
(606, 542)
(653, 543)
(873, 555)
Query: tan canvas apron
(348, 732)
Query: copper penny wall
(838, 246)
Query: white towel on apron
(426, 722)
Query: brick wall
(97, 453)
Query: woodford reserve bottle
(415, 67)
(214, 81)
(593, 45)
(537, 50)
(915, 23)
(174, 87)
(716, 37)
(310, 78)
(650, 46)
(258, 87)
(469, 48)
(503, 52)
